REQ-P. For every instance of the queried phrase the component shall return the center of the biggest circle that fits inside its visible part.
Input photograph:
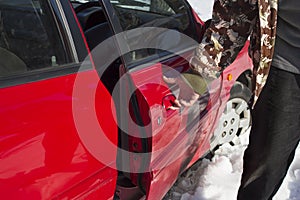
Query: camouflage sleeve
(231, 25)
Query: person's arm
(231, 25)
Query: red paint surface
(171, 141)
(41, 156)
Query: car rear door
(50, 123)
(156, 39)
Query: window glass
(155, 13)
(29, 38)
(158, 6)
(168, 14)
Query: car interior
(93, 22)
(167, 14)
(28, 25)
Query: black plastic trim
(80, 46)
(43, 74)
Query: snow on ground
(219, 178)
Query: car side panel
(41, 154)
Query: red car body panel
(171, 164)
(41, 154)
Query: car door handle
(168, 103)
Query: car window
(132, 18)
(158, 6)
(155, 13)
(171, 15)
(29, 38)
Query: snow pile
(215, 179)
(219, 178)
(290, 188)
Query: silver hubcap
(235, 120)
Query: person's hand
(187, 96)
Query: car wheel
(235, 119)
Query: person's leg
(274, 136)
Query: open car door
(156, 39)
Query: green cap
(196, 82)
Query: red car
(84, 110)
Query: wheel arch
(246, 78)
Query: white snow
(219, 178)
(203, 8)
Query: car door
(49, 119)
(155, 39)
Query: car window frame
(116, 27)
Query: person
(275, 128)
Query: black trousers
(274, 136)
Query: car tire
(235, 119)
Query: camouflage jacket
(233, 21)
